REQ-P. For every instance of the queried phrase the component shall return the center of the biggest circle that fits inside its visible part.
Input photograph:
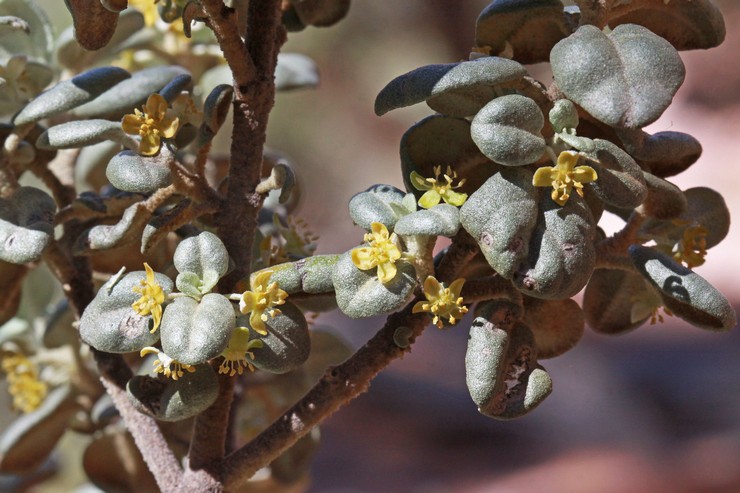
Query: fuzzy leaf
(110, 324)
(37, 41)
(501, 370)
(309, 275)
(204, 255)
(287, 343)
(507, 130)
(320, 13)
(460, 89)
(193, 332)
(81, 133)
(70, 94)
(295, 71)
(528, 28)
(609, 298)
(26, 225)
(501, 217)
(374, 205)
(360, 294)
(664, 154)
(687, 294)
(557, 325)
(130, 172)
(174, 400)
(440, 220)
(620, 182)
(625, 79)
(94, 24)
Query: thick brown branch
(222, 21)
(338, 386)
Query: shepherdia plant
(190, 273)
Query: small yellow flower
(382, 252)
(151, 299)
(692, 248)
(436, 191)
(442, 302)
(261, 300)
(23, 382)
(170, 367)
(239, 348)
(564, 176)
(155, 123)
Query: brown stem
(461, 251)
(338, 386)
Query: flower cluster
(443, 303)
(261, 301)
(564, 177)
(23, 382)
(382, 252)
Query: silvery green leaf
(82, 133)
(28, 441)
(563, 115)
(501, 217)
(626, 78)
(460, 89)
(105, 236)
(620, 182)
(131, 93)
(561, 253)
(10, 24)
(373, 205)
(360, 294)
(129, 34)
(26, 225)
(527, 29)
(501, 370)
(215, 110)
(686, 24)
(664, 154)
(71, 93)
(557, 325)
(190, 284)
(193, 332)
(610, 297)
(687, 294)
(440, 220)
(287, 343)
(204, 255)
(443, 141)
(131, 172)
(110, 324)
(311, 275)
(174, 400)
(175, 87)
(508, 130)
(37, 42)
(295, 71)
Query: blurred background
(655, 410)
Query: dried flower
(564, 176)
(382, 252)
(442, 302)
(691, 249)
(261, 300)
(436, 191)
(151, 299)
(155, 123)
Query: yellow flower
(692, 248)
(23, 382)
(382, 252)
(235, 355)
(261, 300)
(442, 302)
(170, 367)
(151, 299)
(564, 176)
(436, 191)
(156, 122)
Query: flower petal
(432, 288)
(544, 176)
(456, 287)
(429, 199)
(131, 124)
(455, 198)
(419, 182)
(386, 272)
(363, 258)
(585, 174)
